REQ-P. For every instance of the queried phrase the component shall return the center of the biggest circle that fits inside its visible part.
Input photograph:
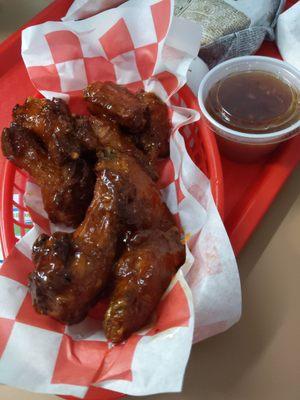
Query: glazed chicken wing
(66, 190)
(142, 275)
(52, 122)
(73, 269)
(116, 102)
(128, 110)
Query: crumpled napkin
(288, 35)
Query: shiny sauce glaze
(254, 102)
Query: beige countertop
(259, 358)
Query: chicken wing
(73, 269)
(142, 275)
(116, 102)
(52, 122)
(66, 190)
(128, 110)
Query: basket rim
(213, 161)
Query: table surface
(259, 357)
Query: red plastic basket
(201, 145)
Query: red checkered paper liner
(139, 45)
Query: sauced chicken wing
(66, 190)
(52, 122)
(73, 269)
(154, 139)
(128, 110)
(116, 102)
(142, 274)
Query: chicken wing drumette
(66, 190)
(53, 124)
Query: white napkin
(288, 35)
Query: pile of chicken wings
(97, 174)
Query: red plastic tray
(249, 188)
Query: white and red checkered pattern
(62, 58)
(127, 45)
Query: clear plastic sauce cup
(240, 146)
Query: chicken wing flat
(154, 139)
(116, 102)
(73, 269)
(66, 190)
(142, 275)
(52, 122)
